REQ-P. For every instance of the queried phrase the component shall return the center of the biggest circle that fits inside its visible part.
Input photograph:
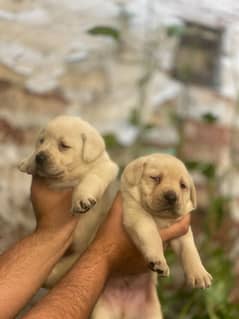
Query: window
(196, 58)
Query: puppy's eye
(41, 140)
(63, 146)
(157, 179)
(183, 185)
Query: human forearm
(24, 267)
(111, 253)
(76, 294)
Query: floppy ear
(193, 195)
(192, 203)
(28, 164)
(134, 171)
(93, 146)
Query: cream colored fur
(75, 157)
(144, 184)
(132, 297)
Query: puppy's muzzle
(170, 197)
(41, 158)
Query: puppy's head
(66, 144)
(163, 185)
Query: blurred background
(152, 76)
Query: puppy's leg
(93, 186)
(103, 310)
(153, 309)
(144, 233)
(196, 274)
(147, 307)
(156, 312)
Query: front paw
(27, 165)
(198, 278)
(24, 166)
(83, 205)
(160, 267)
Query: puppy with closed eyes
(157, 191)
(70, 153)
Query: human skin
(25, 266)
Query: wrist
(61, 237)
(48, 229)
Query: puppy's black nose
(170, 197)
(40, 158)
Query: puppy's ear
(134, 171)
(28, 165)
(192, 204)
(193, 195)
(93, 146)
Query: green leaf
(175, 30)
(134, 117)
(192, 165)
(111, 141)
(218, 206)
(208, 170)
(105, 31)
(148, 126)
(209, 118)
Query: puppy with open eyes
(157, 191)
(70, 153)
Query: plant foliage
(106, 31)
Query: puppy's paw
(160, 267)
(23, 166)
(27, 165)
(83, 205)
(198, 278)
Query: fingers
(40, 191)
(178, 229)
(184, 224)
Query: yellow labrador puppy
(157, 191)
(69, 152)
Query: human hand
(51, 207)
(113, 241)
